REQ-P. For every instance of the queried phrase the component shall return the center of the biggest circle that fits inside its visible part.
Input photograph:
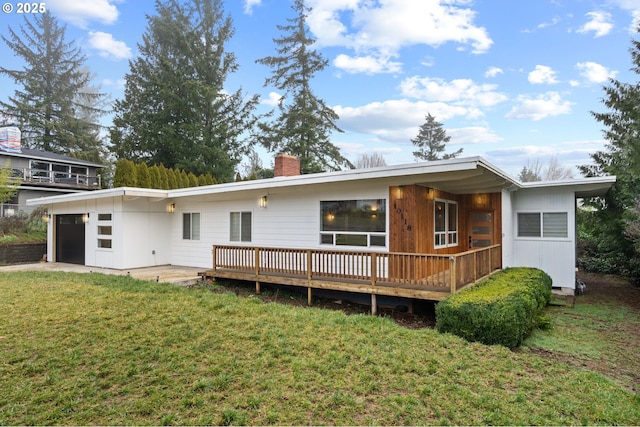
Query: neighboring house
(41, 173)
(420, 230)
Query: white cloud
(250, 4)
(594, 72)
(381, 29)
(551, 23)
(273, 100)
(458, 91)
(600, 24)
(473, 135)
(397, 120)
(493, 72)
(366, 64)
(116, 83)
(543, 75)
(107, 46)
(80, 12)
(540, 107)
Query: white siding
(138, 228)
(291, 219)
(555, 256)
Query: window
(240, 226)
(545, 224)
(445, 216)
(191, 226)
(353, 222)
(105, 230)
(104, 243)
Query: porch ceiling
(479, 181)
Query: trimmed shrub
(501, 309)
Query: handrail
(452, 271)
(40, 176)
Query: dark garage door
(70, 239)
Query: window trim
(541, 232)
(105, 240)
(191, 236)
(447, 234)
(335, 235)
(241, 232)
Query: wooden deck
(419, 276)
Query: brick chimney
(286, 165)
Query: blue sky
(513, 81)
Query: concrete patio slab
(162, 273)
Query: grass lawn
(94, 349)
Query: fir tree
(176, 109)
(431, 141)
(622, 159)
(56, 107)
(305, 122)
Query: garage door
(70, 239)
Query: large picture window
(240, 226)
(445, 215)
(353, 222)
(543, 224)
(191, 226)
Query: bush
(501, 309)
(24, 228)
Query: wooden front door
(481, 229)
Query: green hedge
(501, 309)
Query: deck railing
(45, 177)
(422, 271)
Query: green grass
(601, 332)
(93, 349)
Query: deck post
(475, 266)
(374, 304)
(214, 257)
(452, 273)
(309, 296)
(257, 260)
(257, 288)
(309, 267)
(374, 268)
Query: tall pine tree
(176, 110)
(305, 122)
(56, 107)
(621, 158)
(431, 141)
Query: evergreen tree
(154, 177)
(176, 110)
(143, 179)
(125, 174)
(305, 122)
(164, 178)
(172, 179)
(56, 108)
(193, 179)
(622, 159)
(431, 141)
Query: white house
(411, 230)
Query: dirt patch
(422, 315)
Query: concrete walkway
(163, 273)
